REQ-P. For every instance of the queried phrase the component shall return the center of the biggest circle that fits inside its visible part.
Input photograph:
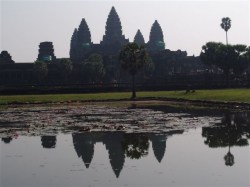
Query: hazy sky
(186, 25)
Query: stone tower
(84, 147)
(83, 41)
(116, 152)
(5, 58)
(80, 43)
(158, 145)
(73, 46)
(139, 39)
(113, 38)
(156, 41)
(46, 52)
(83, 35)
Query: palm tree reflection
(229, 158)
(234, 130)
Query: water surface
(201, 148)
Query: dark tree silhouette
(92, 69)
(226, 25)
(229, 58)
(132, 58)
(7, 139)
(135, 146)
(242, 59)
(232, 131)
(48, 141)
(40, 70)
(65, 67)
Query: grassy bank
(230, 95)
(224, 95)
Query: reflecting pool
(192, 147)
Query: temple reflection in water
(233, 129)
(48, 141)
(119, 145)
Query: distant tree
(111, 66)
(242, 60)
(133, 57)
(40, 70)
(229, 58)
(247, 55)
(65, 67)
(226, 25)
(149, 68)
(95, 58)
(92, 69)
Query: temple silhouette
(113, 39)
(165, 62)
(158, 145)
(119, 146)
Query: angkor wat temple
(166, 62)
(113, 39)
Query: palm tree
(132, 58)
(226, 25)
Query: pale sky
(186, 25)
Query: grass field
(230, 95)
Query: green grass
(227, 95)
(235, 95)
(62, 97)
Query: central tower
(156, 41)
(113, 38)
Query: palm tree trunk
(226, 38)
(227, 79)
(133, 87)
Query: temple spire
(80, 42)
(139, 39)
(73, 45)
(158, 145)
(116, 153)
(84, 147)
(156, 41)
(5, 58)
(113, 32)
(83, 34)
